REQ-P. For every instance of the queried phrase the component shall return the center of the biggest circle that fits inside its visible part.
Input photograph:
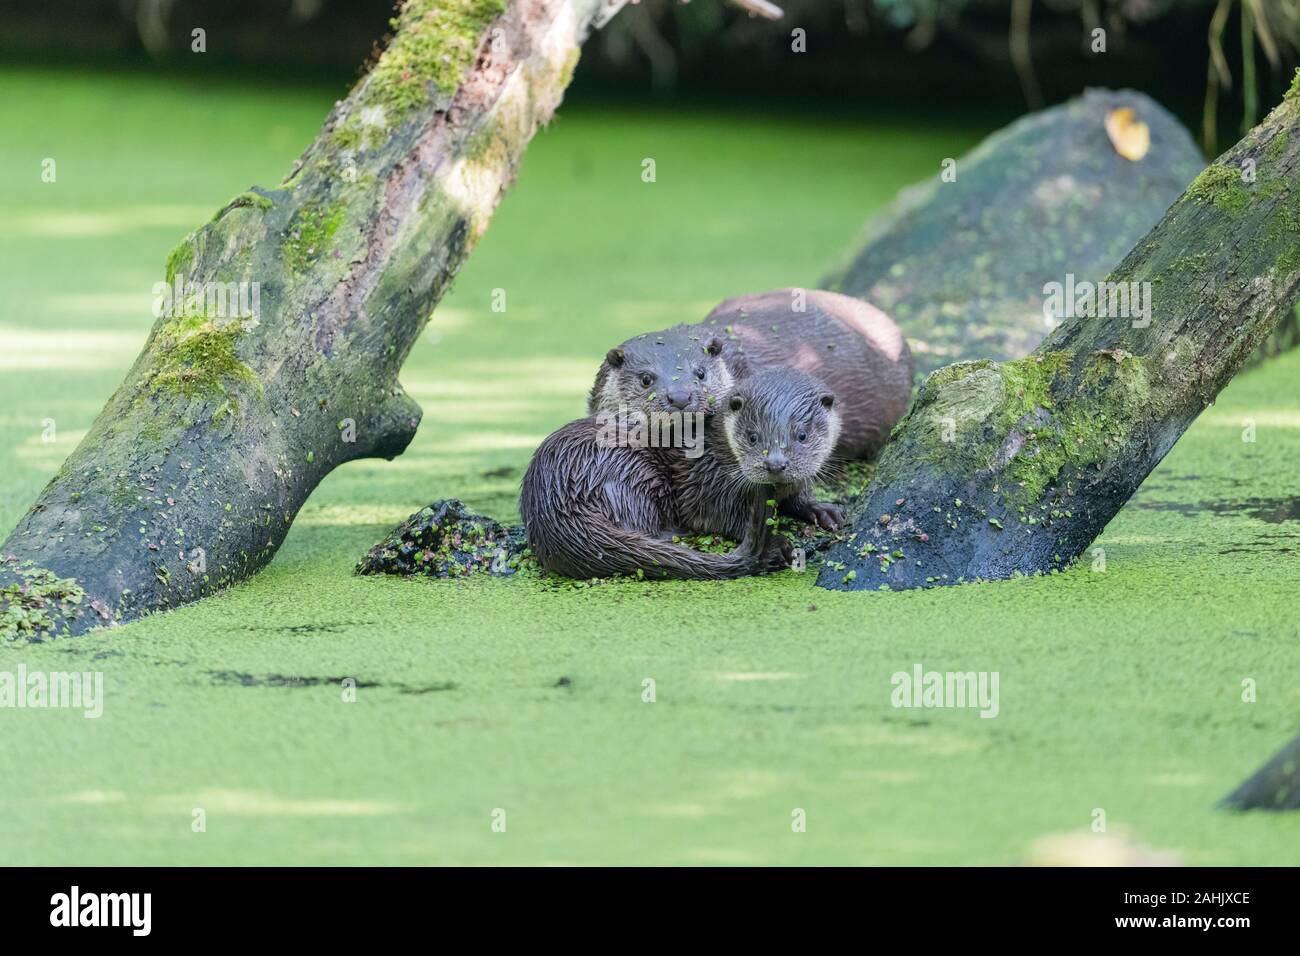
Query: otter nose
(776, 463)
(679, 397)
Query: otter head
(781, 426)
(674, 371)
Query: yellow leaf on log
(1128, 135)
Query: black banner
(303, 905)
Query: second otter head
(673, 371)
(781, 426)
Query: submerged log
(1014, 468)
(191, 475)
(960, 263)
(1274, 786)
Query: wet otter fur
(777, 433)
(684, 369)
(592, 510)
(854, 348)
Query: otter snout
(685, 400)
(776, 463)
(679, 397)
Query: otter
(684, 370)
(778, 431)
(854, 348)
(592, 509)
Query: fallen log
(960, 260)
(191, 475)
(1011, 468)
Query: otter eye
(647, 379)
(801, 436)
(753, 438)
(699, 373)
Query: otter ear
(736, 403)
(714, 346)
(615, 358)
(827, 400)
(738, 363)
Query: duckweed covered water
(628, 722)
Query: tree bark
(1014, 468)
(191, 475)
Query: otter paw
(826, 516)
(778, 555)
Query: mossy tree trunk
(1014, 468)
(191, 475)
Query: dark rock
(447, 540)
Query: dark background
(868, 54)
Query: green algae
(179, 260)
(1285, 227)
(247, 200)
(311, 233)
(1222, 187)
(39, 604)
(977, 415)
(198, 357)
(1276, 147)
(434, 44)
(447, 540)
(1116, 391)
(1121, 688)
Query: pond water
(1120, 681)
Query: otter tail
(586, 543)
(627, 552)
(592, 512)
